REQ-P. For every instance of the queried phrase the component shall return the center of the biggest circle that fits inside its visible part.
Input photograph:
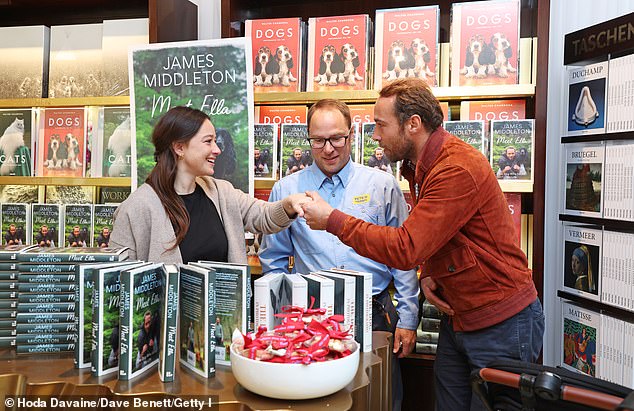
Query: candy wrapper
(305, 336)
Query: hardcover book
(619, 181)
(24, 63)
(265, 151)
(373, 155)
(277, 54)
(359, 113)
(586, 96)
(297, 289)
(106, 299)
(16, 223)
(281, 114)
(321, 291)
(48, 229)
(233, 298)
(141, 318)
(118, 35)
(76, 61)
(76, 255)
(512, 146)
(406, 45)
(197, 313)
(169, 332)
(44, 348)
(471, 132)
(584, 179)
(580, 339)
(582, 260)
(61, 143)
(17, 141)
(113, 195)
(295, 154)
(345, 289)
(338, 53)
(485, 42)
(269, 296)
(78, 225)
(620, 95)
(102, 224)
(115, 142)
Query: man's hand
(429, 287)
(316, 212)
(405, 341)
(293, 204)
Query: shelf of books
(67, 181)
(65, 102)
(597, 276)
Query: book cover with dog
(102, 224)
(406, 45)
(338, 53)
(295, 153)
(587, 93)
(16, 224)
(582, 260)
(471, 132)
(76, 64)
(484, 42)
(265, 151)
(47, 223)
(24, 63)
(61, 143)
(512, 146)
(118, 35)
(372, 154)
(359, 113)
(78, 225)
(115, 142)
(17, 141)
(267, 114)
(277, 47)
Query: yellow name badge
(362, 199)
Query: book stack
(427, 335)
(9, 293)
(46, 308)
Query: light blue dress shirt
(357, 190)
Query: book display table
(54, 375)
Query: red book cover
(406, 45)
(488, 110)
(484, 42)
(444, 106)
(61, 143)
(281, 114)
(514, 202)
(277, 54)
(337, 53)
(362, 113)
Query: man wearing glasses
(367, 193)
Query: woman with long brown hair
(182, 213)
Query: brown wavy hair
(179, 124)
(413, 96)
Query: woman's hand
(293, 204)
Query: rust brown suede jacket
(460, 232)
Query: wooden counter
(55, 375)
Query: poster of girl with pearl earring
(587, 87)
(213, 76)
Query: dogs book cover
(484, 43)
(406, 45)
(277, 48)
(76, 63)
(338, 53)
(24, 63)
(16, 142)
(359, 113)
(61, 143)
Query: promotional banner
(210, 75)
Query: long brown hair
(179, 124)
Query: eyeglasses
(335, 141)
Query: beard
(400, 148)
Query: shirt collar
(415, 173)
(343, 176)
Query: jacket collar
(415, 173)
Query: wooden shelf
(515, 186)
(65, 102)
(427, 357)
(67, 181)
(370, 96)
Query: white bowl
(294, 381)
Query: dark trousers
(385, 318)
(459, 353)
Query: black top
(206, 238)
